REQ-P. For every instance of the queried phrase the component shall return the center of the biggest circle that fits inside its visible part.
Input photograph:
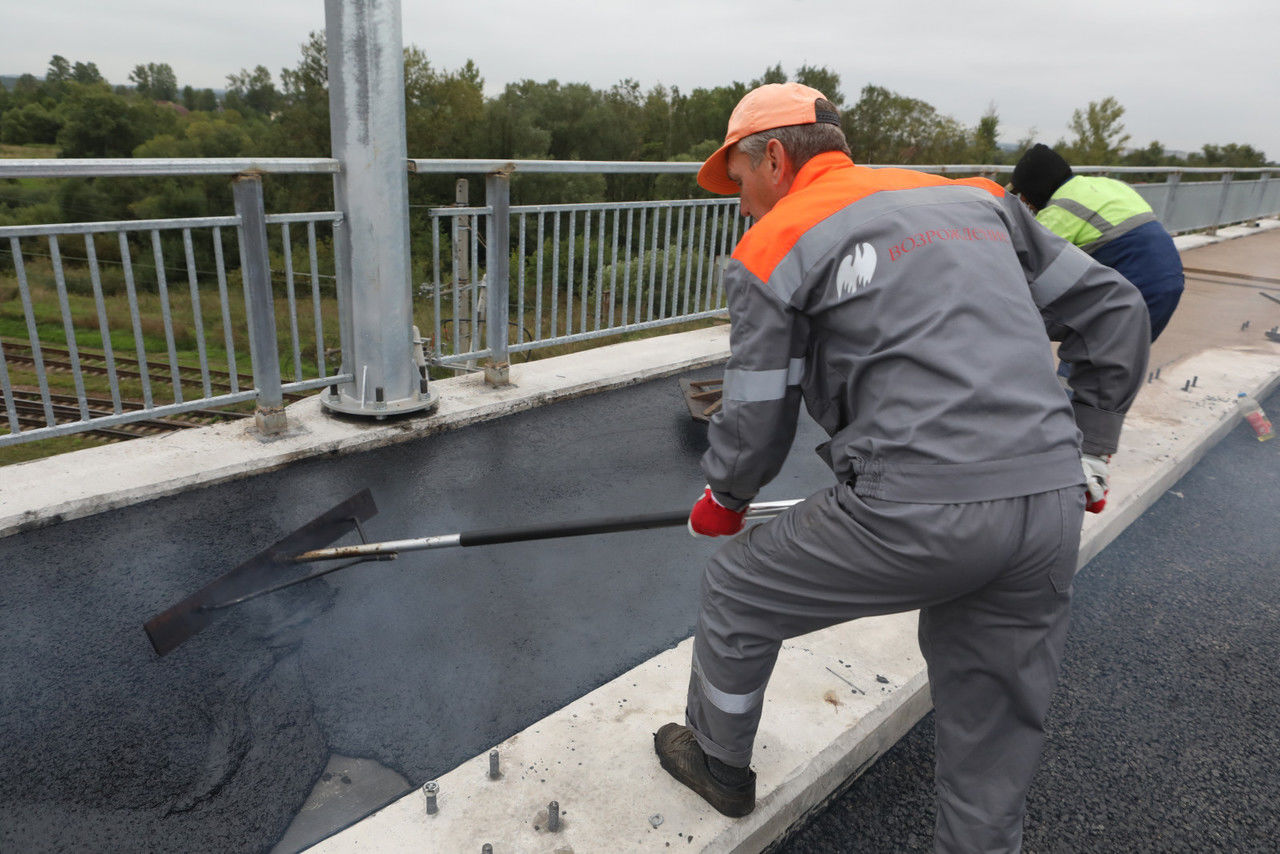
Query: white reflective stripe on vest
(1092, 217)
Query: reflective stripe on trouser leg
(734, 650)
(831, 558)
(733, 717)
(993, 661)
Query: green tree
(155, 81)
(59, 70)
(86, 72)
(299, 126)
(824, 80)
(26, 85)
(511, 128)
(309, 79)
(771, 75)
(88, 199)
(885, 127)
(685, 186)
(1099, 134)
(202, 135)
(99, 123)
(1231, 154)
(252, 92)
(656, 125)
(984, 146)
(199, 100)
(1153, 155)
(444, 111)
(29, 123)
(572, 113)
(702, 115)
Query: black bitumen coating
(419, 663)
(1164, 735)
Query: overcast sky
(1188, 72)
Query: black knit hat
(1039, 174)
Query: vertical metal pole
(367, 130)
(259, 304)
(1222, 202)
(1259, 208)
(464, 341)
(1166, 215)
(497, 193)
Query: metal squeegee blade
(171, 628)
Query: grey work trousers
(992, 580)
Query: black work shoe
(679, 752)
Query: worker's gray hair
(801, 142)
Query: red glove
(710, 518)
(1096, 482)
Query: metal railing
(572, 272)
(1201, 205)
(151, 319)
(624, 270)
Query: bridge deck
(410, 671)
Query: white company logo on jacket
(856, 270)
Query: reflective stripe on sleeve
(755, 386)
(1061, 274)
(730, 704)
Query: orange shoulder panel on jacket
(983, 184)
(812, 200)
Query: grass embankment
(29, 152)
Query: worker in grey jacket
(909, 313)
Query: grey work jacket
(910, 313)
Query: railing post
(497, 192)
(367, 130)
(1172, 182)
(464, 291)
(1222, 201)
(1259, 208)
(259, 303)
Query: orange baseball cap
(766, 107)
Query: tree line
(78, 113)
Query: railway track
(66, 409)
(95, 362)
(29, 405)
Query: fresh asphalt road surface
(1164, 734)
(416, 665)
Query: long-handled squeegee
(269, 570)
